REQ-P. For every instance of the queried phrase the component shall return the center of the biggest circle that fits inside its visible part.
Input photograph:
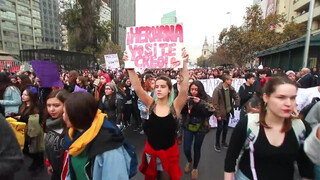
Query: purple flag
(47, 72)
(79, 89)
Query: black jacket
(245, 93)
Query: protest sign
(154, 47)
(47, 72)
(112, 61)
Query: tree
(201, 61)
(111, 48)
(238, 44)
(85, 32)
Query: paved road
(210, 166)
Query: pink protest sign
(155, 46)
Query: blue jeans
(317, 172)
(240, 176)
(187, 143)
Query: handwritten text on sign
(156, 46)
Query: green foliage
(238, 44)
(111, 48)
(85, 32)
(201, 61)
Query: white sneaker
(141, 132)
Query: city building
(295, 10)
(63, 6)
(123, 15)
(20, 25)
(169, 18)
(51, 24)
(105, 12)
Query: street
(210, 166)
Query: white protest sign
(112, 61)
(154, 46)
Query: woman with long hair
(71, 81)
(55, 130)
(23, 81)
(272, 139)
(160, 158)
(10, 96)
(33, 142)
(195, 125)
(112, 104)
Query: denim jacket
(141, 107)
(11, 100)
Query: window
(23, 9)
(37, 22)
(8, 15)
(9, 25)
(36, 14)
(38, 31)
(26, 29)
(25, 20)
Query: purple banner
(47, 72)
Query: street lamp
(230, 18)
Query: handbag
(194, 124)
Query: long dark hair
(34, 104)
(62, 96)
(201, 92)
(4, 83)
(269, 88)
(25, 82)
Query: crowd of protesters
(142, 100)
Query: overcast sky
(200, 18)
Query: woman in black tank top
(161, 154)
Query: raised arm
(182, 97)
(145, 98)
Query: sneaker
(141, 132)
(187, 167)
(194, 174)
(136, 130)
(225, 145)
(217, 148)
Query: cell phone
(96, 82)
(191, 97)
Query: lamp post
(230, 18)
(306, 47)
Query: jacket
(169, 161)
(114, 113)
(11, 100)
(108, 160)
(11, 157)
(245, 93)
(312, 146)
(219, 101)
(202, 110)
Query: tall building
(169, 18)
(295, 10)
(123, 15)
(20, 25)
(105, 12)
(51, 24)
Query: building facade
(105, 12)
(123, 15)
(20, 25)
(295, 10)
(169, 18)
(51, 24)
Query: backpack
(132, 167)
(18, 129)
(253, 132)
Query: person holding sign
(160, 157)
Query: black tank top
(161, 131)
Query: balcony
(300, 4)
(304, 17)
